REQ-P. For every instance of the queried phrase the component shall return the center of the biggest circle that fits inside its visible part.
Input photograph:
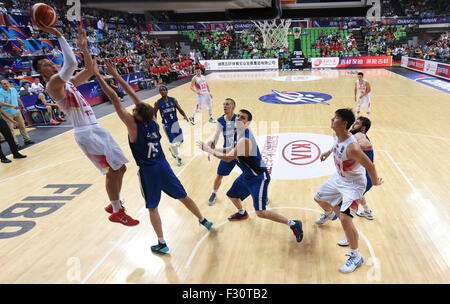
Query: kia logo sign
(301, 152)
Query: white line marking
(197, 246)
(399, 170)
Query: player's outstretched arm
(87, 72)
(111, 68)
(56, 84)
(180, 109)
(126, 117)
(243, 148)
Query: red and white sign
(325, 62)
(351, 62)
(301, 152)
(429, 67)
(292, 156)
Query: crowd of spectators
(335, 44)
(382, 39)
(424, 8)
(435, 49)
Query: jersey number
(152, 150)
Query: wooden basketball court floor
(407, 242)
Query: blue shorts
(369, 183)
(225, 168)
(174, 132)
(255, 186)
(157, 178)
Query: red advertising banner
(416, 64)
(351, 62)
(443, 70)
(433, 68)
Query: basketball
(43, 14)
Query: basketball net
(274, 35)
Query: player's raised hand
(95, 68)
(48, 29)
(111, 67)
(80, 38)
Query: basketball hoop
(274, 35)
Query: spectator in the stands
(36, 86)
(45, 101)
(25, 90)
(8, 74)
(10, 101)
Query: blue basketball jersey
(147, 150)
(168, 110)
(252, 165)
(369, 153)
(228, 131)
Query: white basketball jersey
(76, 107)
(361, 87)
(201, 84)
(349, 169)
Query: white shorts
(204, 101)
(99, 146)
(363, 102)
(336, 189)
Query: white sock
(368, 115)
(241, 211)
(214, 192)
(202, 219)
(175, 150)
(290, 223)
(355, 252)
(161, 240)
(366, 207)
(116, 206)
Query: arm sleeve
(70, 63)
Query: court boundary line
(369, 245)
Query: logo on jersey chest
(152, 135)
(291, 97)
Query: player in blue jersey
(226, 127)
(155, 174)
(255, 177)
(167, 107)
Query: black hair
(346, 115)
(249, 115)
(360, 73)
(365, 122)
(36, 63)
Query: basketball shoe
(160, 248)
(298, 231)
(367, 214)
(353, 262)
(326, 217)
(237, 216)
(123, 218)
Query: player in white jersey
(204, 97)
(362, 94)
(347, 184)
(95, 141)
